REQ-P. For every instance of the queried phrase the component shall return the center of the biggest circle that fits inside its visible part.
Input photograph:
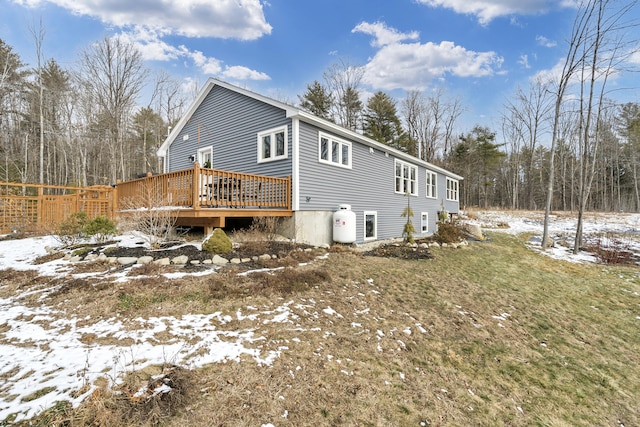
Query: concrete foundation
(310, 227)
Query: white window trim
(375, 225)
(273, 132)
(341, 143)
(452, 193)
(395, 177)
(202, 152)
(424, 222)
(431, 185)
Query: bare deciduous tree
(114, 74)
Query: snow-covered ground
(607, 229)
(43, 358)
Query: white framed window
(424, 222)
(452, 189)
(334, 151)
(370, 225)
(406, 178)
(432, 188)
(205, 157)
(272, 144)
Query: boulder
(127, 260)
(181, 260)
(145, 260)
(218, 260)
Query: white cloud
(238, 72)
(543, 41)
(415, 65)
(383, 35)
(239, 19)
(487, 10)
(153, 48)
(524, 61)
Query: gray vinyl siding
(368, 186)
(230, 122)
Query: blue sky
(476, 50)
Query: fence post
(40, 208)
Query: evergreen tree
(317, 100)
(351, 105)
(381, 122)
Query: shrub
(101, 227)
(266, 226)
(150, 214)
(72, 230)
(449, 232)
(218, 243)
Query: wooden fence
(39, 207)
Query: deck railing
(37, 207)
(206, 188)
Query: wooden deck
(207, 197)
(196, 197)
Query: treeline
(85, 126)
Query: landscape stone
(127, 260)
(182, 259)
(162, 261)
(236, 260)
(75, 258)
(264, 257)
(145, 260)
(218, 260)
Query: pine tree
(317, 100)
(381, 122)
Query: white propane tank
(344, 225)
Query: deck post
(195, 186)
(114, 202)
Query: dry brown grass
(492, 334)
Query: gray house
(231, 128)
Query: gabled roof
(293, 112)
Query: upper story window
(452, 189)
(272, 144)
(334, 151)
(406, 178)
(431, 185)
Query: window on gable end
(272, 144)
